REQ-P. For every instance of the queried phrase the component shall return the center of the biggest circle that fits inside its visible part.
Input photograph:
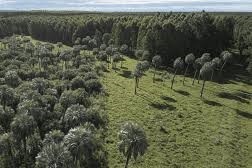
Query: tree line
(169, 35)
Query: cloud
(2, 2)
(129, 5)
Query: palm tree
(6, 149)
(205, 73)
(178, 64)
(59, 45)
(54, 136)
(124, 49)
(54, 155)
(22, 127)
(216, 63)
(156, 61)
(196, 65)
(109, 53)
(189, 59)
(206, 57)
(65, 56)
(6, 116)
(42, 53)
(141, 67)
(81, 142)
(115, 59)
(226, 57)
(6, 95)
(133, 141)
(12, 79)
(45, 62)
(36, 110)
(75, 115)
(29, 48)
(40, 84)
(139, 54)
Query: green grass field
(182, 129)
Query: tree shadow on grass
(211, 103)
(169, 99)
(182, 92)
(245, 92)
(124, 67)
(162, 106)
(116, 69)
(243, 95)
(158, 80)
(231, 96)
(126, 74)
(244, 114)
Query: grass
(182, 129)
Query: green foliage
(205, 71)
(54, 155)
(38, 99)
(133, 141)
(12, 79)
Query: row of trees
(203, 66)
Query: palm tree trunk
(212, 75)
(194, 76)
(25, 155)
(10, 153)
(198, 77)
(154, 75)
(240, 52)
(222, 67)
(128, 157)
(39, 64)
(135, 85)
(4, 104)
(173, 78)
(202, 89)
(185, 74)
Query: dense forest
(166, 34)
(53, 68)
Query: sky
(129, 5)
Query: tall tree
(226, 57)
(54, 155)
(205, 73)
(196, 65)
(141, 67)
(133, 141)
(189, 59)
(59, 45)
(177, 65)
(216, 63)
(81, 142)
(156, 61)
(22, 127)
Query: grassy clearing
(183, 130)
